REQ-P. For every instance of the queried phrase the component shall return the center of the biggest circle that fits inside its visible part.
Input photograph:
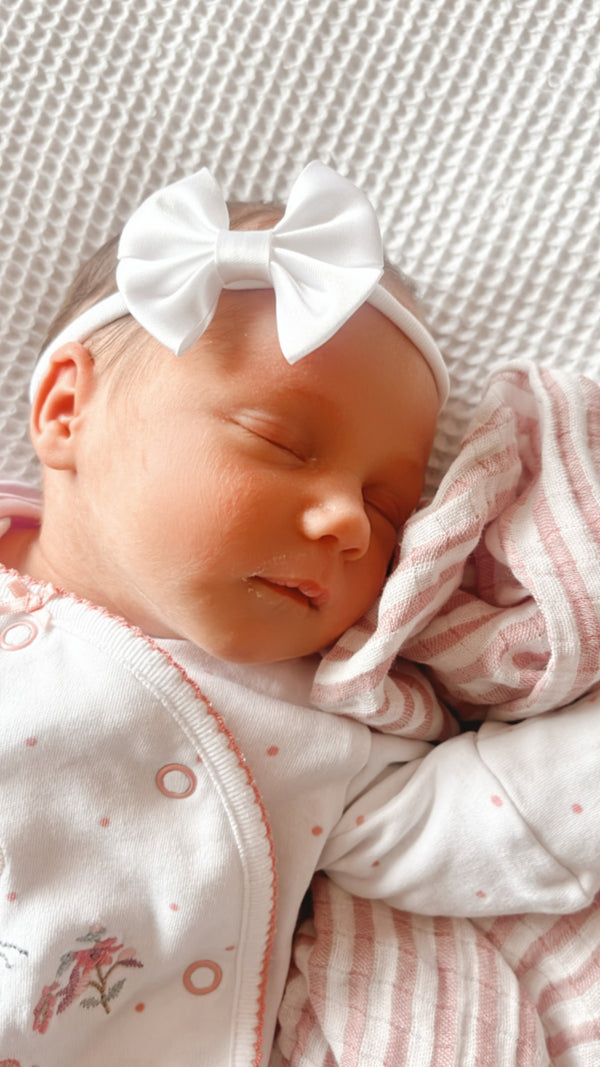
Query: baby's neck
(18, 550)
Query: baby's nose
(339, 514)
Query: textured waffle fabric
(473, 125)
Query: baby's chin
(251, 647)
(273, 628)
(238, 652)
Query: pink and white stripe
(374, 987)
(496, 592)
(497, 585)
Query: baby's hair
(96, 279)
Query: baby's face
(250, 506)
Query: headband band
(323, 259)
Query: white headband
(323, 259)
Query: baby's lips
(315, 593)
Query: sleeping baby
(209, 527)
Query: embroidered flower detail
(44, 1008)
(88, 968)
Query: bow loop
(323, 259)
(327, 258)
(166, 270)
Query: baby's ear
(60, 401)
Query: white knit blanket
(497, 591)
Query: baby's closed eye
(394, 509)
(269, 436)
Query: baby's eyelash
(280, 445)
(271, 438)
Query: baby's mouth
(303, 591)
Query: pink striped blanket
(492, 609)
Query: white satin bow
(322, 259)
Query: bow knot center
(242, 256)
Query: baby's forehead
(243, 339)
(246, 318)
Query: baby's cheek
(385, 545)
(366, 585)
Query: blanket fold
(496, 590)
